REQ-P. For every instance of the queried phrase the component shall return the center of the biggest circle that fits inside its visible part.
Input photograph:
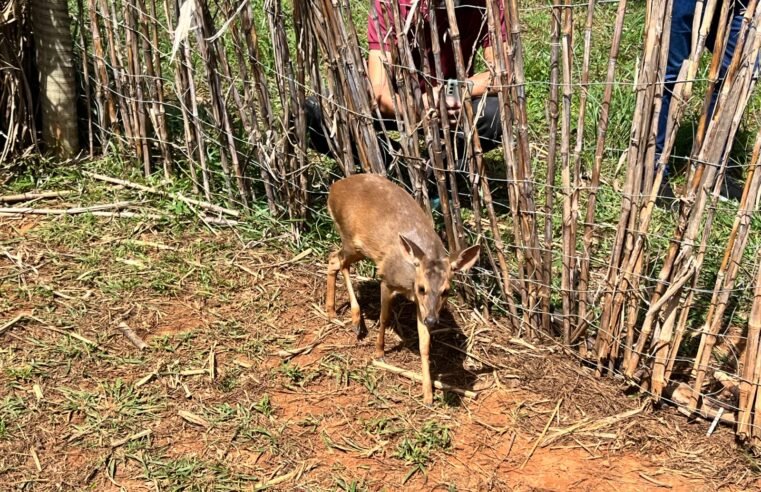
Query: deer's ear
(411, 250)
(465, 258)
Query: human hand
(451, 103)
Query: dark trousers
(679, 50)
(489, 130)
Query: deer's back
(370, 212)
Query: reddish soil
(326, 419)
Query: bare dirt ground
(246, 385)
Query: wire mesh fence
(551, 159)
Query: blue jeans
(679, 50)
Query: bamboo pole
(458, 230)
(511, 73)
(750, 377)
(182, 89)
(291, 113)
(728, 270)
(602, 130)
(200, 137)
(134, 66)
(117, 63)
(621, 279)
(85, 59)
(265, 134)
(334, 115)
(476, 163)
(362, 102)
(210, 57)
(569, 239)
(533, 269)
(499, 45)
(433, 131)
(152, 57)
(104, 101)
(406, 105)
(681, 94)
(579, 296)
(553, 114)
(706, 184)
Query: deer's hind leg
(334, 266)
(341, 260)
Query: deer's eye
(445, 293)
(421, 290)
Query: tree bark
(55, 62)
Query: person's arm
(376, 72)
(482, 81)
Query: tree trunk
(55, 62)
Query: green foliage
(417, 449)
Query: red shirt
(471, 21)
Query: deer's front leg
(425, 350)
(386, 300)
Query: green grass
(416, 451)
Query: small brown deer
(380, 221)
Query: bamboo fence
(213, 91)
(18, 127)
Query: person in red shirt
(474, 35)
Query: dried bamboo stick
(714, 149)
(123, 94)
(417, 377)
(728, 270)
(293, 124)
(432, 131)
(181, 90)
(569, 239)
(25, 197)
(135, 81)
(475, 163)
(104, 101)
(602, 130)
(750, 378)
(553, 113)
(335, 115)
(185, 65)
(156, 191)
(65, 211)
(360, 90)
(265, 133)
(248, 111)
(85, 59)
(152, 58)
(621, 279)
(210, 56)
(407, 106)
(533, 269)
(130, 215)
(508, 94)
(501, 57)
(132, 336)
